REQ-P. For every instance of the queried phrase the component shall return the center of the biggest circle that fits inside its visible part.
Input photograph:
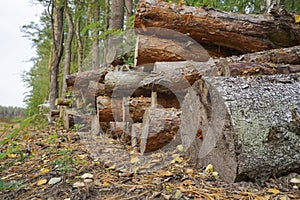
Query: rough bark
(78, 37)
(58, 38)
(151, 49)
(68, 49)
(174, 78)
(221, 32)
(95, 44)
(250, 126)
(121, 84)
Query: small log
(68, 118)
(221, 32)
(250, 126)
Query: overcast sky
(15, 50)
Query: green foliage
(9, 142)
(65, 161)
(11, 185)
(37, 78)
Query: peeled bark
(250, 126)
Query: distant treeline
(10, 113)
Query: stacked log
(239, 113)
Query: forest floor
(55, 164)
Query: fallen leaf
(12, 155)
(178, 194)
(165, 173)
(82, 156)
(106, 184)
(45, 170)
(188, 182)
(284, 197)
(88, 180)
(78, 184)
(215, 175)
(168, 188)
(209, 168)
(134, 160)
(177, 160)
(112, 167)
(180, 148)
(295, 180)
(53, 181)
(41, 182)
(189, 171)
(273, 191)
(297, 18)
(87, 175)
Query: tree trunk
(78, 36)
(68, 49)
(116, 14)
(128, 9)
(218, 31)
(250, 126)
(58, 37)
(95, 45)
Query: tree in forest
(68, 47)
(57, 23)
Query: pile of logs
(240, 113)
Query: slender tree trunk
(58, 37)
(95, 45)
(128, 8)
(68, 48)
(117, 14)
(78, 35)
(116, 22)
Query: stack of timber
(227, 85)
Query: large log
(177, 77)
(151, 49)
(223, 33)
(250, 126)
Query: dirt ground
(55, 164)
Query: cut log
(223, 33)
(250, 126)
(177, 77)
(82, 79)
(159, 127)
(289, 55)
(120, 84)
(151, 49)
